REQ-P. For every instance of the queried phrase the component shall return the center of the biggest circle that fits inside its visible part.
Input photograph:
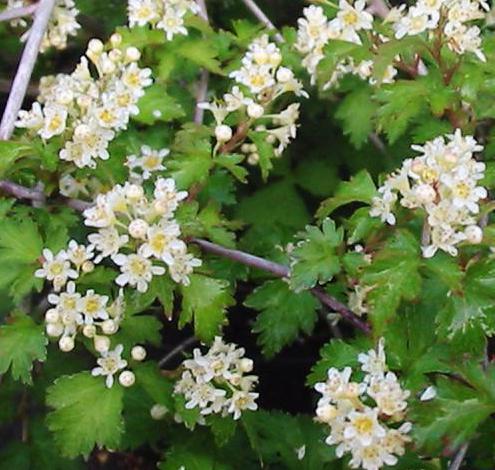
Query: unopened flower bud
(474, 234)
(138, 353)
(223, 133)
(89, 331)
(101, 343)
(54, 329)
(109, 327)
(425, 193)
(95, 46)
(158, 411)
(271, 139)
(66, 343)
(326, 413)
(284, 74)
(255, 110)
(134, 192)
(87, 267)
(245, 148)
(275, 59)
(138, 228)
(246, 365)
(115, 39)
(253, 159)
(52, 316)
(127, 378)
(115, 55)
(132, 54)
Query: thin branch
(14, 13)
(21, 192)
(25, 69)
(280, 270)
(456, 462)
(177, 350)
(258, 12)
(202, 91)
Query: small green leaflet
(21, 342)
(206, 300)
(315, 259)
(394, 276)
(360, 188)
(156, 105)
(86, 413)
(283, 315)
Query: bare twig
(280, 270)
(14, 13)
(456, 462)
(177, 350)
(205, 75)
(21, 192)
(258, 12)
(25, 69)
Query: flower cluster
(88, 111)
(444, 182)
(63, 23)
(167, 15)
(216, 382)
(315, 30)
(260, 81)
(137, 231)
(447, 16)
(364, 417)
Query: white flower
(79, 254)
(161, 241)
(137, 271)
(109, 364)
(148, 162)
(351, 19)
(56, 269)
(241, 401)
(374, 362)
(183, 264)
(93, 306)
(108, 242)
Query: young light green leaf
(22, 342)
(205, 301)
(85, 413)
(315, 259)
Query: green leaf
(206, 300)
(20, 241)
(156, 105)
(10, 152)
(86, 413)
(21, 343)
(360, 188)
(394, 276)
(202, 52)
(159, 387)
(335, 353)
(356, 111)
(164, 288)
(138, 329)
(315, 259)
(223, 428)
(232, 162)
(283, 315)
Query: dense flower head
(216, 382)
(167, 15)
(259, 82)
(443, 181)
(62, 24)
(86, 110)
(365, 418)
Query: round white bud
(260, 128)
(107, 66)
(127, 378)
(223, 133)
(87, 266)
(417, 166)
(425, 193)
(54, 329)
(157, 113)
(253, 159)
(101, 343)
(284, 75)
(271, 139)
(261, 57)
(89, 331)
(132, 54)
(109, 327)
(253, 148)
(52, 316)
(95, 46)
(255, 110)
(246, 365)
(138, 228)
(115, 39)
(65, 97)
(245, 148)
(275, 59)
(158, 411)
(134, 192)
(326, 413)
(474, 234)
(66, 343)
(138, 353)
(115, 55)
